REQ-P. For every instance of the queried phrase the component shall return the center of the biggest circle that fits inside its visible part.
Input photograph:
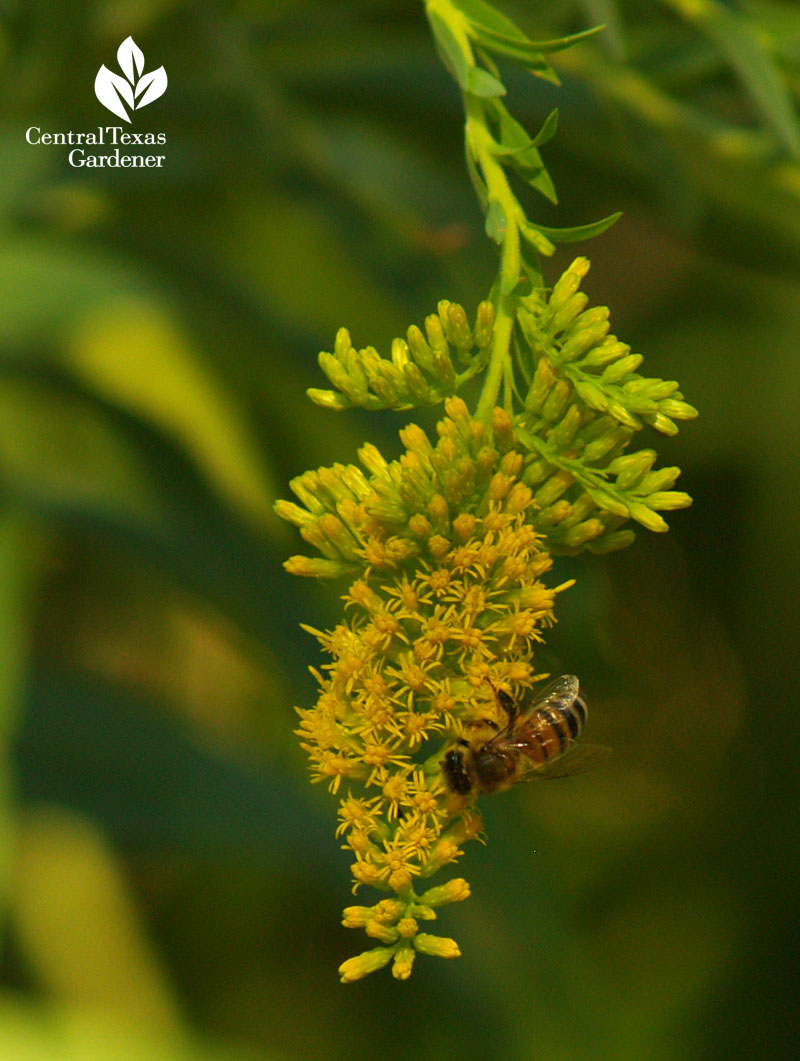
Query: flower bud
(403, 962)
(454, 891)
(293, 513)
(667, 500)
(680, 410)
(400, 354)
(661, 479)
(328, 399)
(419, 348)
(623, 415)
(609, 543)
(370, 456)
(484, 325)
(315, 567)
(342, 345)
(611, 349)
(456, 326)
(567, 313)
(377, 930)
(543, 379)
(583, 339)
(364, 964)
(415, 385)
(568, 283)
(584, 532)
(436, 946)
(356, 916)
(618, 370)
(649, 519)
(592, 395)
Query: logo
(135, 90)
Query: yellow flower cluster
(446, 603)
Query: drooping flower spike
(446, 552)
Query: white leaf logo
(115, 92)
(130, 59)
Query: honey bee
(537, 742)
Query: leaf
(562, 43)
(20, 565)
(131, 59)
(537, 239)
(452, 53)
(53, 1031)
(152, 361)
(78, 924)
(152, 86)
(489, 18)
(533, 60)
(607, 13)
(77, 462)
(577, 232)
(520, 150)
(482, 83)
(737, 38)
(123, 761)
(542, 182)
(531, 53)
(109, 87)
(496, 221)
(477, 180)
(548, 129)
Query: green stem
(481, 145)
(500, 367)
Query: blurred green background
(170, 882)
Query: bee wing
(576, 760)
(556, 695)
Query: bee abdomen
(556, 728)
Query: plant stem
(481, 145)
(500, 366)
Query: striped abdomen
(550, 731)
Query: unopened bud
(368, 962)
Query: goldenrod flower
(447, 550)
(448, 599)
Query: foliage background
(170, 882)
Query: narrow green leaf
(608, 13)
(577, 232)
(478, 182)
(496, 221)
(538, 239)
(487, 60)
(511, 135)
(20, 569)
(542, 182)
(452, 53)
(489, 18)
(482, 83)
(562, 43)
(548, 130)
(526, 50)
(520, 150)
(119, 758)
(520, 53)
(74, 459)
(736, 37)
